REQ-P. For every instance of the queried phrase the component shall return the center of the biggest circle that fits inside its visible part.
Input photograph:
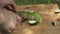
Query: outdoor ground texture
(48, 15)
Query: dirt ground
(48, 14)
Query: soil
(47, 12)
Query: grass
(29, 2)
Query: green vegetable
(31, 15)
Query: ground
(48, 15)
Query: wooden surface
(48, 15)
